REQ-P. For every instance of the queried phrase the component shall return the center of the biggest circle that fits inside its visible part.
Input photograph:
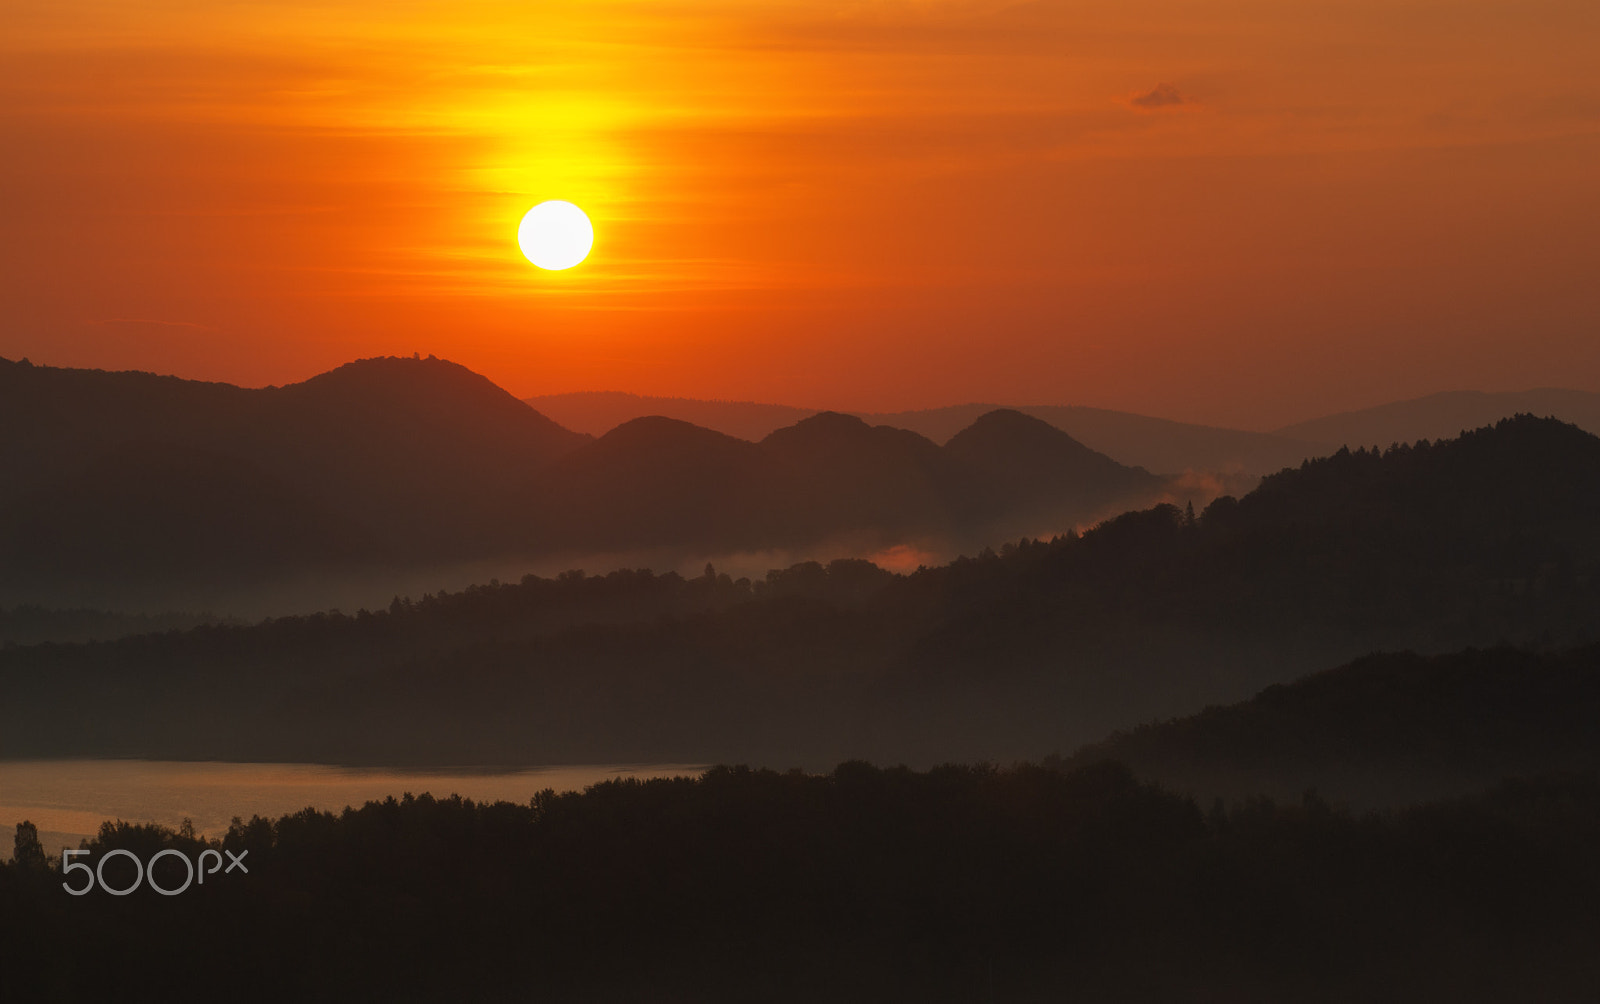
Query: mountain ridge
(402, 459)
(1164, 446)
(390, 463)
(1445, 415)
(1383, 729)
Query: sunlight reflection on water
(68, 799)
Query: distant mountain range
(147, 481)
(659, 481)
(1156, 444)
(598, 412)
(129, 484)
(1443, 416)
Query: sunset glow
(1224, 214)
(727, 500)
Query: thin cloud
(150, 320)
(1163, 96)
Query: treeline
(963, 883)
(493, 613)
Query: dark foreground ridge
(1386, 729)
(959, 884)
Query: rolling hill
(1385, 729)
(133, 485)
(1156, 444)
(598, 412)
(145, 480)
(829, 478)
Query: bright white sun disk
(555, 235)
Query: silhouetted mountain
(1474, 541)
(1481, 541)
(598, 412)
(420, 450)
(1524, 489)
(1384, 729)
(841, 475)
(1029, 472)
(658, 481)
(146, 510)
(1443, 416)
(60, 421)
(650, 482)
(135, 481)
(136, 477)
(385, 415)
(1156, 444)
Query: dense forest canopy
(957, 884)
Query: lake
(68, 799)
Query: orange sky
(1244, 212)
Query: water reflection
(69, 799)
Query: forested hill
(1489, 539)
(1384, 729)
(1522, 471)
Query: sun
(555, 235)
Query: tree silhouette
(28, 852)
